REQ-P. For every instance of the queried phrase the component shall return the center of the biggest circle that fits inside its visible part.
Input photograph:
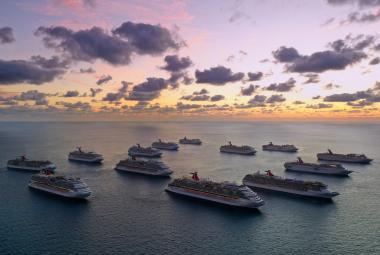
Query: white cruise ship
(219, 192)
(147, 167)
(234, 149)
(194, 141)
(165, 145)
(281, 148)
(22, 163)
(326, 169)
(148, 152)
(348, 158)
(68, 187)
(271, 182)
(83, 156)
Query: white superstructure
(327, 169)
(82, 156)
(148, 167)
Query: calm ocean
(131, 214)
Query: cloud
(283, 86)
(219, 75)
(367, 97)
(255, 76)
(182, 107)
(331, 86)
(311, 78)
(71, 93)
(176, 64)
(53, 62)
(319, 106)
(87, 70)
(256, 101)
(146, 38)
(275, 99)
(359, 3)
(298, 102)
(201, 92)
(375, 61)
(33, 95)
(148, 90)
(95, 91)
(25, 71)
(6, 35)
(361, 17)
(321, 61)
(104, 79)
(216, 98)
(316, 97)
(248, 91)
(121, 93)
(196, 97)
(285, 54)
(78, 106)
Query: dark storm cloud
(24, 71)
(375, 61)
(285, 54)
(216, 98)
(146, 38)
(71, 93)
(255, 76)
(283, 86)
(248, 91)
(6, 35)
(275, 99)
(219, 75)
(104, 79)
(176, 64)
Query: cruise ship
(194, 141)
(219, 192)
(165, 145)
(348, 158)
(22, 163)
(59, 185)
(148, 167)
(327, 169)
(149, 152)
(82, 156)
(234, 149)
(271, 182)
(282, 147)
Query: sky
(189, 60)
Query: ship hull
(315, 194)
(190, 142)
(84, 160)
(249, 153)
(328, 157)
(166, 173)
(145, 155)
(279, 149)
(32, 169)
(55, 191)
(170, 148)
(318, 170)
(242, 203)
